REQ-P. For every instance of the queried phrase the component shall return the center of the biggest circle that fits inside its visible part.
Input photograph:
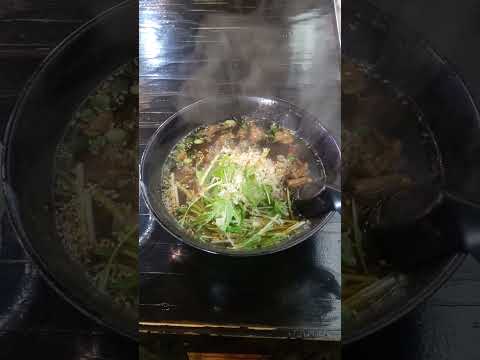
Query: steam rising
(288, 53)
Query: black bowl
(400, 57)
(215, 109)
(36, 127)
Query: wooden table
(190, 50)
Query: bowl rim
(51, 277)
(215, 249)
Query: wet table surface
(190, 50)
(35, 322)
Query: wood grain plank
(36, 33)
(6, 106)
(54, 9)
(217, 356)
(156, 118)
(276, 348)
(463, 288)
(17, 65)
(67, 345)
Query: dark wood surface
(34, 321)
(190, 50)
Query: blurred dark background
(448, 325)
(34, 321)
(452, 28)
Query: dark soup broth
(386, 148)
(96, 197)
(231, 184)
